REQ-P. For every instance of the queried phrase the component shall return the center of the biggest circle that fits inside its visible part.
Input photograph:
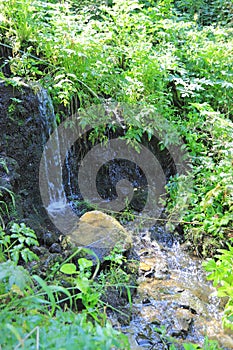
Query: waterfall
(51, 155)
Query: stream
(174, 298)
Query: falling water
(51, 155)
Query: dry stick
(158, 219)
(37, 329)
(198, 223)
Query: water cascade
(56, 200)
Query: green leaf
(48, 291)
(69, 269)
(31, 241)
(14, 275)
(84, 263)
(15, 256)
(83, 284)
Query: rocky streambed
(173, 303)
(174, 298)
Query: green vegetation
(17, 243)
(221, 274)
(169, 342)
(175, 56)
(32, 310)
(208, 345)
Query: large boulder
(101, 233)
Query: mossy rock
(101, 233)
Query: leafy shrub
(209, 206)
(66, 331)
(12, 276)
(31, 313)
(220, 272)
(175, 56)
(207, 12)
(17, 244)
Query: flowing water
(174, 298)
(53, 167)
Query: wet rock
(182, 321)
(101, 233)
(186, 313)
(175, 292)
(49, 238)
(213, 329)
(155, 287)
(55, 248)
(188, 300)
(49, 261)
(40, 250)
(151, 314)
(154, 267)
(143, 341)
(181, 303)
(152, 261)
(144, 266)
(159, 235)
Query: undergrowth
(33, 309)
(175, 56)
